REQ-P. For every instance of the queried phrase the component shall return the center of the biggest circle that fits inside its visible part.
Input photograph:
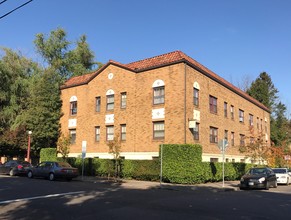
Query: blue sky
(236, 39)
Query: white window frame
(109, 133)
(159, 130)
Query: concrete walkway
(136, 184)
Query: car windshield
(63, 164)
(257, 171)
(280, 170)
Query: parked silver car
(53, 170)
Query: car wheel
(275, 184)
(267, 185)
(11, 172)
(29, 174)
(51, 176)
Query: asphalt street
(23, 198)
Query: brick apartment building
(165, 99)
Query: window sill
(158, 139)
(159, 104)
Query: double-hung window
(241, 116)
(110, 133)
(73, 108)
(226, 134)
(196, 132)
(213, 104)
(123, 100)
(123, 132)
(98, 104)
(225, 109)
(159, 95)
(159, 130)
(251, 120)
(232, 112)
(213, 135)
(196, 97)
(97, 133)
(232, 138)
(109, 102)
(242, 140)
(72, 136)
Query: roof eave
(94, 74)
(183, 60)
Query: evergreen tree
(279, 125)
(264, 90)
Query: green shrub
(104, 167)
(182, 163)
(232, 171)
(48, 154)
(140, 169)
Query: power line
(3, 1)
(14, 8)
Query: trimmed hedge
(140, 169)
(93, 166)
(232, 171)
(181, 164)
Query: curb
(215, 187)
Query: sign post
(222, 145)
(84, 147)
(161, 168)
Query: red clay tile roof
(159, 61)
(76, 81)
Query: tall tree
(280, 125)
(44, 110)
(62, 62)
(55, 51)
(81, 59)
(15, 73)
(264, 90)
(30, 95)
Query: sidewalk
(136, 184)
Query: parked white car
(283, 175)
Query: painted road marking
(40, 197)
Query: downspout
(185, 118)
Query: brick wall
(179, 79)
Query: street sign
(84, 148)
(223, 144)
